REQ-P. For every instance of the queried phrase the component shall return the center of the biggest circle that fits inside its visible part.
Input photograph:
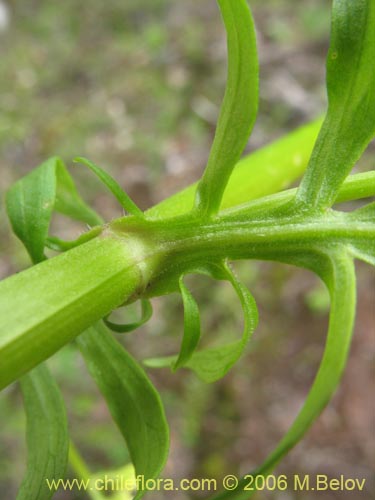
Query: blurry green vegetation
(118, 80)
(135, 85)
(101, 79)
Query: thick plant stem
(186, 246)
(265, 171)
(46, 306)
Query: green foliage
(213, 363)
(337, 271)
(129, 327)
(239, 108)
(350, 122)
(192, 326)
(31, 201)
(132, 400)
(280, 163)
(46, 434)
(113, 186)
(145, 255)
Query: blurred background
(135, 85)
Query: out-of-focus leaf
(129, 327)
(46, 434)
(132, 400)
(82, 473)
(32, 199)
(239, 107)
(123, 198)
(350, 122)
(128, 480)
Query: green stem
(186, 245)
(46, 306)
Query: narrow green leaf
(132, 400)
(123, 198)
(350, 122)
(129, 327)
(239, 107)
(31, 201)
(127, 475)
(46, 434)
(60, 245)
(211, 364)
(82, 472)
(365, 213)
(192, 326)
(68, 202)
(29, 204)
(364, 252)
(337, 270)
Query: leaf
(239, 107)
(46, 434)
(125, 328)
(59, 245)
(29, 204)
(123, 198)
(211, 364)
(31, 201)
(127, 482)
(132, 400)
(349, 125)
(357, 186)
(68, 202)
(192, 326)
(364, 252)
(337, 270)
(365, 213)
(82, 473)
